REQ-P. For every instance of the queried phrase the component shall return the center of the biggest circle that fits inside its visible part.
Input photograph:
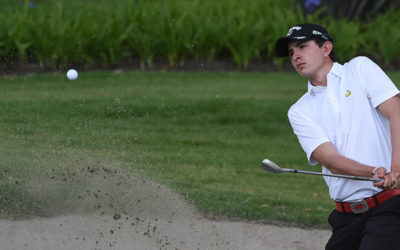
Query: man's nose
(295, 55)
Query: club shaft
(360, 178)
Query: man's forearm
(395, 139)
(327, 155)
(342, 165)
(391, 110)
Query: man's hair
(321, 42)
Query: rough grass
(203, 134)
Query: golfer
(349, 121)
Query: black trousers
(376, 229)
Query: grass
(202, 134)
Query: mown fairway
(203, 134)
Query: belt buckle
(359, 207)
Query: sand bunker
(112, 210)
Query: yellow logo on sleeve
(348, 93)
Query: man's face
(306, 57)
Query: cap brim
(281, 47)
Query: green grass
(202, 134)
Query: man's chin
(303, 73)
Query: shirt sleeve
(308, 131)
(375, 82)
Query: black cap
(305, 31)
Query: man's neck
(321, 77)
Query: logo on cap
(293, 29)
(316, 32)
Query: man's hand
(390, 180)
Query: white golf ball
(72, 74)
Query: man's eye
(290, 53)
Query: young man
(349, 121)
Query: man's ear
(327, 47)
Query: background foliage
(57, 33)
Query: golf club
(272, 167)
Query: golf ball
(72, 74)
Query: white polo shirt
(344, 113)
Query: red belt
(370, 202)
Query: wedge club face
(271, 166)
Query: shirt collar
(336, 71)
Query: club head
(271, 166)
